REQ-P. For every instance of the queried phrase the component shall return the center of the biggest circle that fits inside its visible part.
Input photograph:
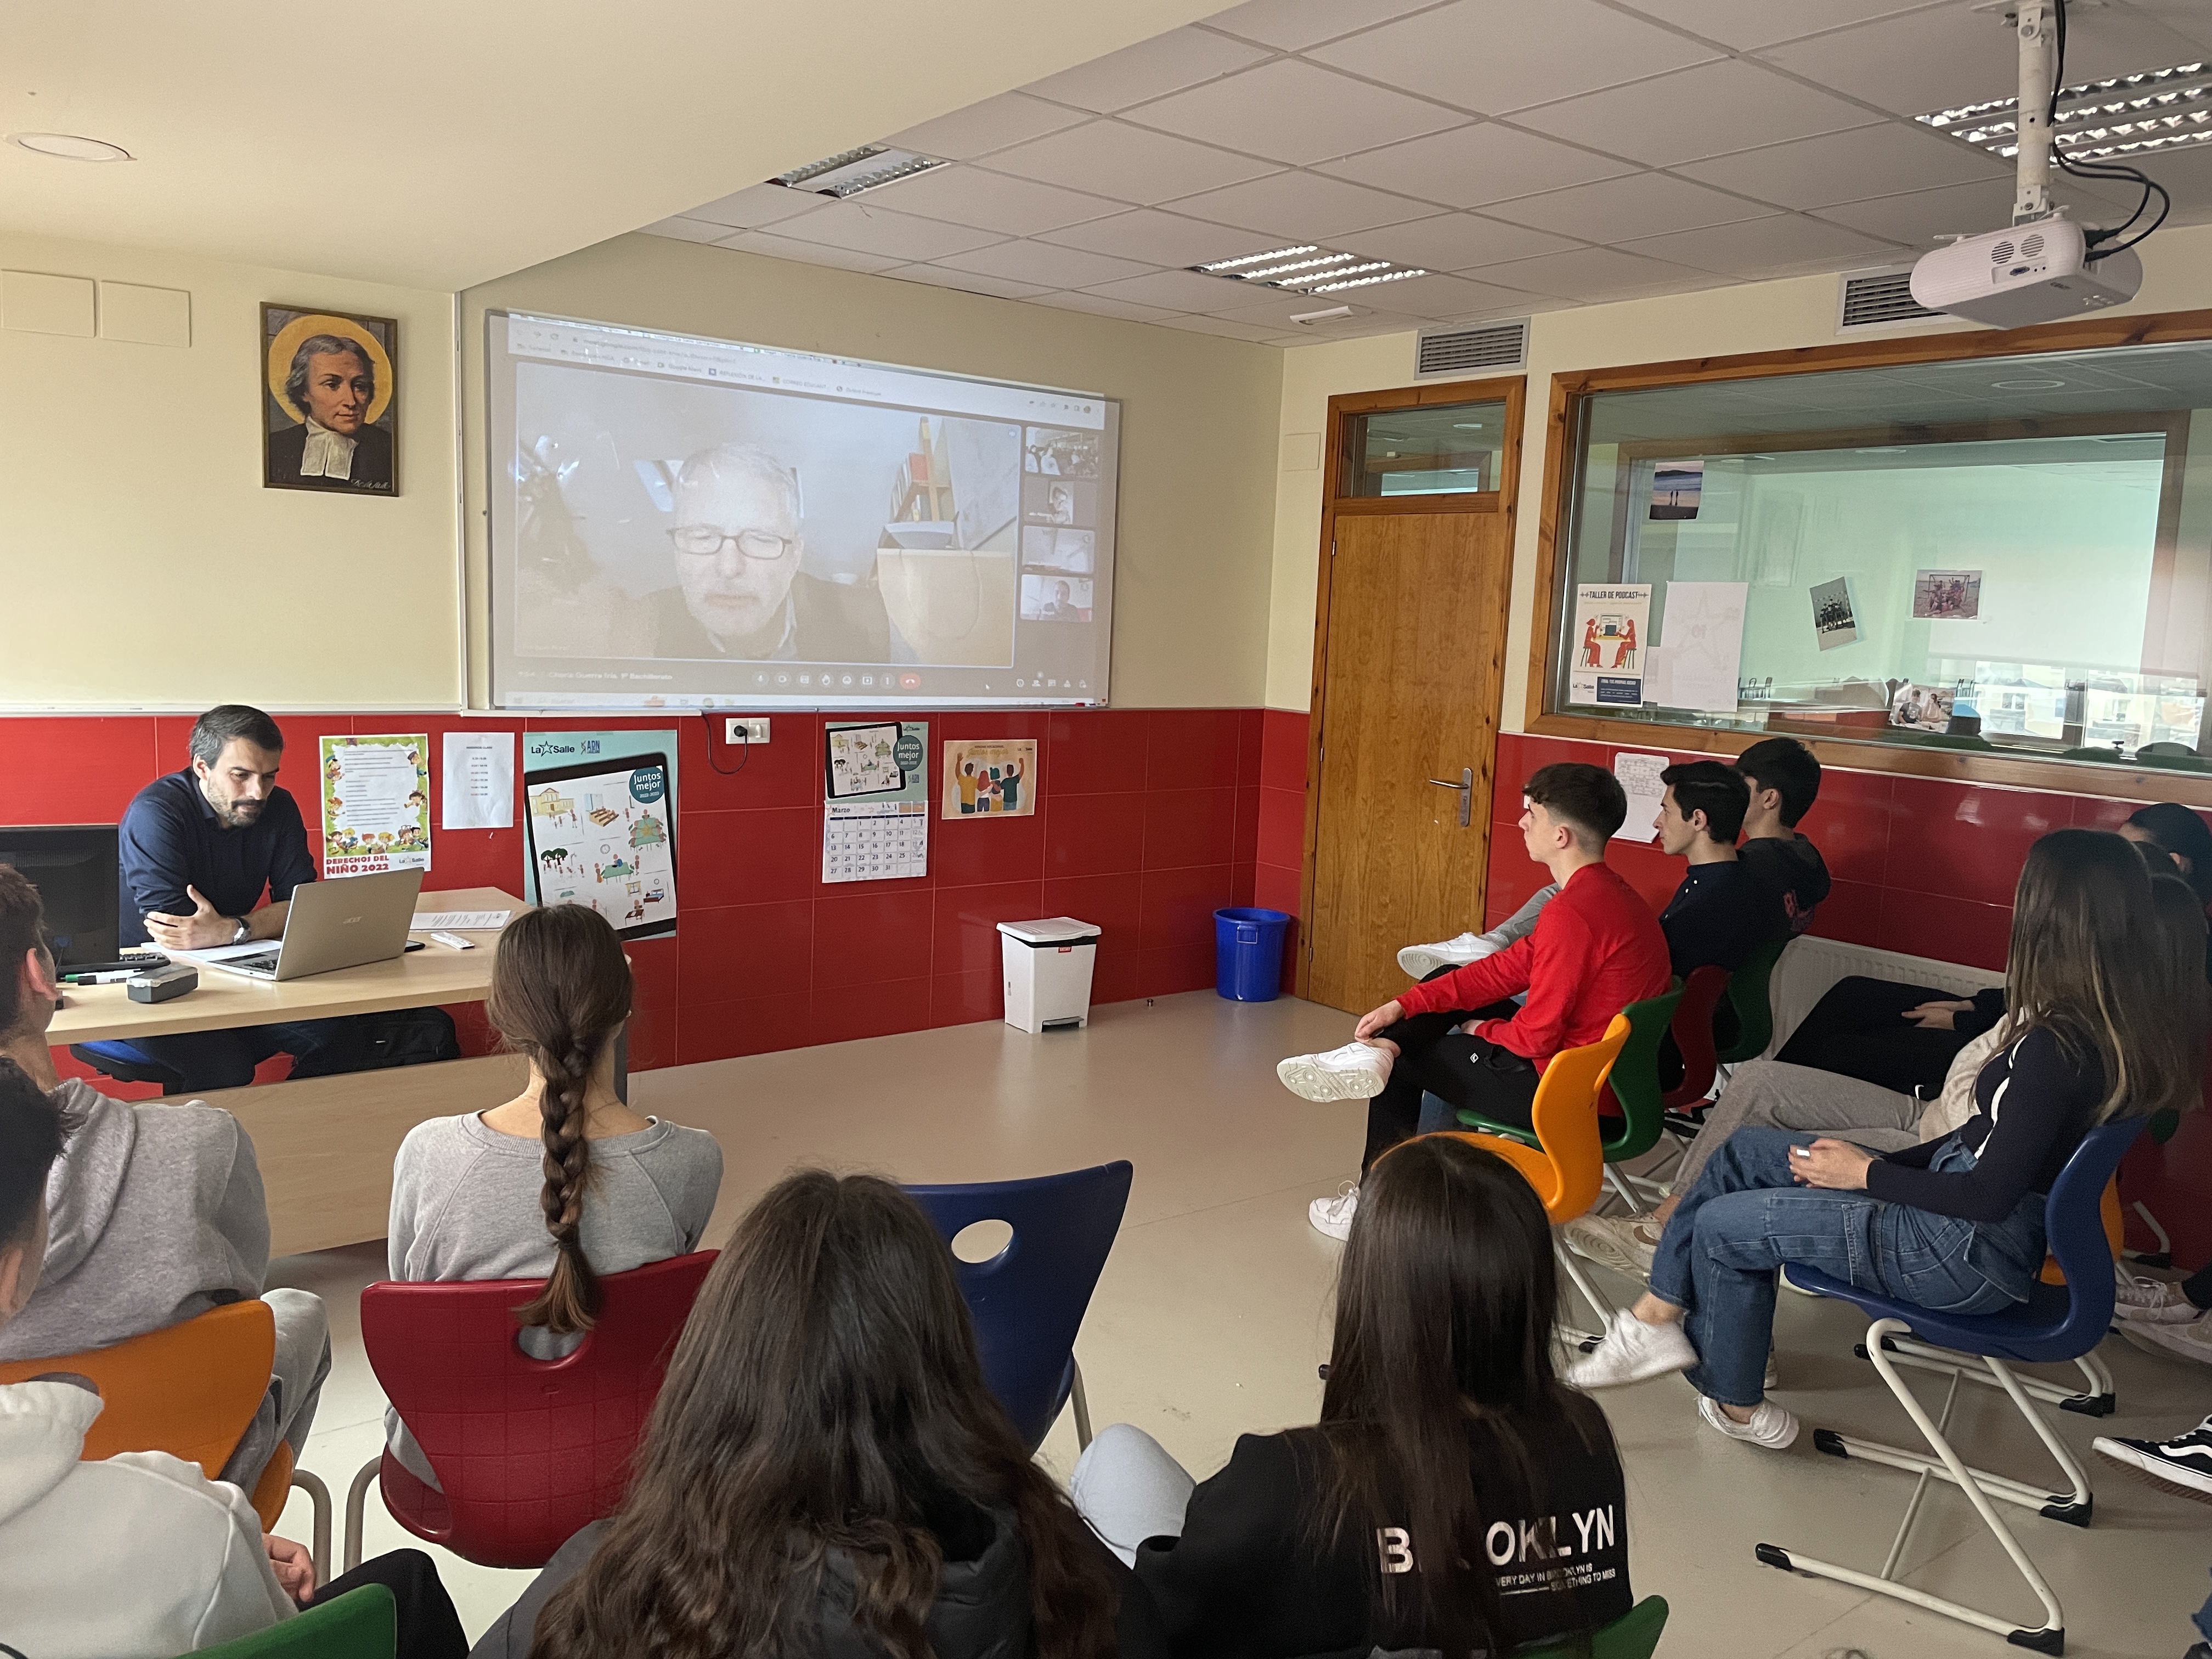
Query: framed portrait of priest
(331, 401)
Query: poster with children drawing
(600, 827)
(376, 804)
(995, 778)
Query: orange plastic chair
(191, 1391)
(1566, 1167)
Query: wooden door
(1408, 669)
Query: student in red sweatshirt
(1596, 948)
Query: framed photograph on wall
(330, 401)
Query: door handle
(1465, 788)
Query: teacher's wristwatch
(243, 933)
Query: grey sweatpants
(295, 1387)
(1765, 1094)
(1128, 1487)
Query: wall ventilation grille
(1464, 351)
(1878, 298)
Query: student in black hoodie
(1454, 1497)
(826, 1472)
(1720, 913)
(1784, 780)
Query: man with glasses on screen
(739, 542)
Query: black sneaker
(2183, 1464)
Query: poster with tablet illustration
(600, 825)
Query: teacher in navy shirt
(197, 850)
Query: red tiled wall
(1148, 821)
(1921, 866)
(1281, 846)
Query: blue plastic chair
(2055, 1324)
(117, 1059)
(1028, 1301)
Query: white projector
(2036, 272)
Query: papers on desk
(459, 921)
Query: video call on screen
(685, 522)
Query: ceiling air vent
(1465, 350)
(1878, 299)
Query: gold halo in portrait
(288, 341)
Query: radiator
(1811, 965)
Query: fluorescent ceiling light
(2143, 113)
(1306, 268)
(850, 172)
(1310, 317)
(69, 147)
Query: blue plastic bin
(1247, 953)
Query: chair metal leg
(356, 1501)
(1623, 1185)
(1584, 1340)
(1978, 1486)
(2099, 1400)
(318, 1495)
(1082, 1407)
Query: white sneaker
(2153, 1302)
(1773, 1379)
(1769, 1426)
(1419, 961)
(1633, 1352)
(1333, 1216)
(2189, 1341)
(1621, 1242)
(1358, 1071)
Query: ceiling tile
(1596, 273)
(1494, 56)
(1099, 306)
(1166, 63)
(862, 228)
(1275, 311)
(1747, 23)
(758, 205)
(993, 201)
(1303, 206)
(1955, 54)
(968, 282)
(1292, 111)
(1009, 118)
(1047, 267)
(1157, 237)
(1294, 25)
(1765, 248)
(1848, 166)
(770, 245)
(1471, 167)
(2191, 18)
(1452, 242)
(1225, 327)
(1173, 290)
(1130, 164)
(1918, 217)
(1644, 204)
(1440, 295)
(1704, 111)
(686, 230)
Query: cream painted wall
(1193, 553)
(1770, 316)
(147, 567)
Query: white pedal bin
(1047, 971)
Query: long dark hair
(560, 992)
(2103, 960)
(1444, 1311)
(824, 1390)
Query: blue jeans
(1745, 1217)
(225, 1059)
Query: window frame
(1570, 390)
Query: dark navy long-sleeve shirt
(170, 837)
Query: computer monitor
(73, 866)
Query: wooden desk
(325, 1145)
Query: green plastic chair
(1749, 1010)
(364, 1623)
(1633, 1085)
(1634, 1635)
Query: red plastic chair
(528, 1450)
(1693, 1036)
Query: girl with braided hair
(564, 1182)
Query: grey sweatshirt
(157, 1215)
(464, 1207)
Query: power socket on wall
(739, 730)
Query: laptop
(331, 925)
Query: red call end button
(909, 682)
